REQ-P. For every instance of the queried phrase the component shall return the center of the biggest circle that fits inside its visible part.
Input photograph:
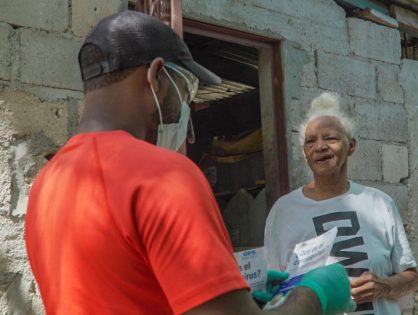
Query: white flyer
(253, 266)
(306, 256)
(311, 254)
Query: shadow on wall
(10, 290)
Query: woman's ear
(154, 72)
(352, 144)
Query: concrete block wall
(322, 50)
(49, 15)
(41, 97)
(40, 101)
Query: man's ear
(352, 144)
(154, 72)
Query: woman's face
(327, 146)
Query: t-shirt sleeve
(185, 239)
(401, 255)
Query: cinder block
(308, 74)
(388, 83)
(51, 15)
(408, 79)
(86, 14)
(49, 60)
(315, 24)
(366, 162)
(5, 179)
(30, 130)
(298, 68)
(395, 163)
(299, 171)
(5, 51)
(50, 94)
(347, 75)
(370, 40)
(380, 120)
(24, 115)
(16, 280)
(399, 194)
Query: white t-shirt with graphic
(370, 235)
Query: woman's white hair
(326, 104)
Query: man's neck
(107, 110)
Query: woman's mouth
(323, 158)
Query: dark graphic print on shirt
(340, 249)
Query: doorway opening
(229, 133)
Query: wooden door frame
(273, 45)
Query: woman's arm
(369, 286)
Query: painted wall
(40, 100)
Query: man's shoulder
(125, 156)
(123, 147)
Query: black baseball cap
(129, 38)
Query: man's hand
(274, 278)
(368, 287)
(332, 287)
(323, 291)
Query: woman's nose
(321, 146)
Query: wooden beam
(228, 69)
(377, 17)
(364, 4)
(407, 19)
(412, 4)
(177, 16)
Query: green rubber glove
(332, 286)
(274, 278)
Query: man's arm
(368, 286)
(322, 290)
(302, 301)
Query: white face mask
(172, 136)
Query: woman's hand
(368, 287)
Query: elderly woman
(371, 241)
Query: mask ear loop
(190, 123)
(155, 98)
(189, 84)
(175, 85)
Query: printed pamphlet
(253, 266)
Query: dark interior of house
(227, 123)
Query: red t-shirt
(119, 226)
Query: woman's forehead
(324, 124)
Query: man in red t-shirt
(118, 225)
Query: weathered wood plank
(407, 19)
(378, 17)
